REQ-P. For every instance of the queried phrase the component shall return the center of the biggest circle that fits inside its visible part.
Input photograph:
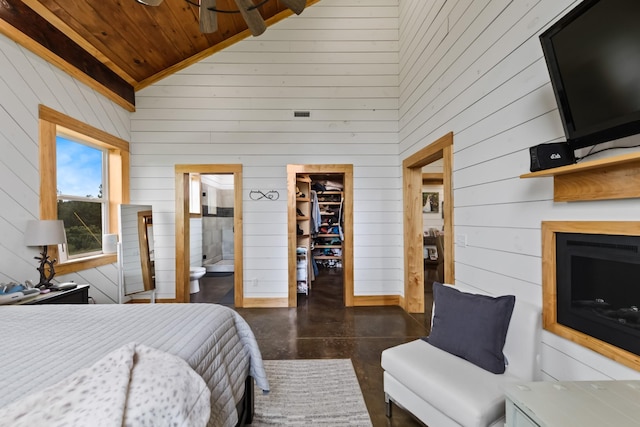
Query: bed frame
(246, 406)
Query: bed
(43, 345)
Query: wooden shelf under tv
(616, 177)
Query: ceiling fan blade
(208, 18)
(252, 17)
(297, 6)
(150, 2)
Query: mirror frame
(145, 219)
(136, 241)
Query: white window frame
(104, 200)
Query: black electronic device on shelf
(547, 156)
(593, 57)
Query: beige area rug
(311, 393)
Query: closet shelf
(304, 271)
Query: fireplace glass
(598, 287)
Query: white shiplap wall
(338, 60)
(25, 82)
(195, 240)
(366, 69)
(476, 68)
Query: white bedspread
(45, 344)
(134, 385)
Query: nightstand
(77, 295)
(577, 403)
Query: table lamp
(44, 233)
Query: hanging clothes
(316, 219)
(340, 219)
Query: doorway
(442, 148)
(231, 207)
(334, 236)
(217, 192)
(212, 240)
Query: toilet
(195, 273)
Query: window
(195, 188)
(83, 177)
(82, 205)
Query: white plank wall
(195, 240)
(338, 60)
(381, 79)
(25, 82)
(476, 68)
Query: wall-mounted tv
(593, 57)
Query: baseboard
(375, 300)
(265, 302)
(358, 301)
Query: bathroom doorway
(209, 230)
(217, 196)
(213, 239)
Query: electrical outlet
(461, 240)
(254, 282)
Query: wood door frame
(346, 170)
(183, 227)
(442, 148)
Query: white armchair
(442, 389)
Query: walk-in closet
(322, 230)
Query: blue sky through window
(79, 168)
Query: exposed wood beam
(52, 19)
(24, 26)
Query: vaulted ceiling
(120, 46)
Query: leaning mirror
(136, 250)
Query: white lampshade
(44, 232)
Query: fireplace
(598, 286)
(591, 286)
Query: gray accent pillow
(471, 326)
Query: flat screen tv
(593, 57)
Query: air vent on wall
(302, 114)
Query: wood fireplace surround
(549, 283)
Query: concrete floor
(321, 327)
(215, 288)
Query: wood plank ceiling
(120, 46)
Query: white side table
(577, 403)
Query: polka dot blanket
(134, 385)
